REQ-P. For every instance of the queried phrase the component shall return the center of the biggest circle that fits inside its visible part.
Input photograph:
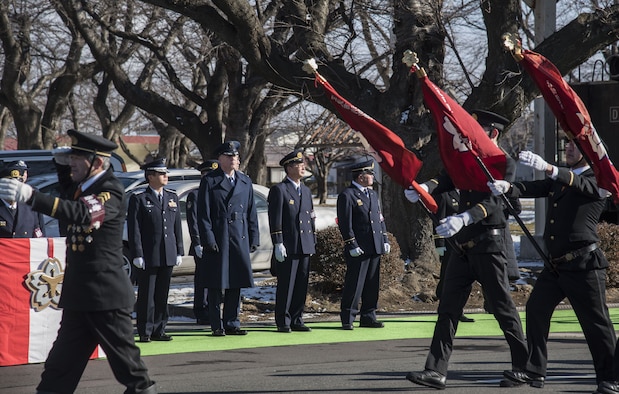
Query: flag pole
(552, 267)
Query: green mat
(415, 326)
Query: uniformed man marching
(291, 221)
(156, 246)
(18, 220)
(200, 303)
(478, 229)
(97, 297)
(362, 226)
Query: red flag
(573, 117)
(29, 314)
(384, 145)
(461, 140)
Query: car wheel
(127, 266)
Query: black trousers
(78, 337)
(362, 282)
(586, 291)
(291, 292)
(489, 270)
(152, 304)
(200, 302)
(231, 299)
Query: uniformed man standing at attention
(156, 246)
(291, 221)
(362, 226)
(97, 297)
(228, 224)
(18, 220)
(200, 304)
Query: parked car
(261, 258)
(40, 161)
(48, 183)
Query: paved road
(378, 366)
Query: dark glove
(213, 248)
(253, 248)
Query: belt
(575, 253)
(476, 240)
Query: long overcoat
(227, 217)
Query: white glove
(387, 247)
(198, 250)
(412, 195)
(12, 190)
(440, 250)
(280, 252)
(450, 225)
(179, 261)
(499, 187)
(603, 193)
(356, 252)
(532, 160)
(139, 262)
(61, 155)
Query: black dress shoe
(347, 327)
(144, 338)
(235, 331)
(301, 327)
(428, 378)
(219, 333)
(162, 337)
(608, 388)
(371, 324)
(283, 329)
(466, 319)
(517, 378)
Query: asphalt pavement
(376, 366)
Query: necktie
(367, 192)
(160, 197)
(231, 181)
(299, 190)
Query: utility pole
(545, 142)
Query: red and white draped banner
(31, 272)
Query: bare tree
(260, 48)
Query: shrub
(609, 233)
(330, 266)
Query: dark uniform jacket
(227, 217)
(154, 228)
(94, 278)
(192, 221)
(291, 218)
(487, 214)
(574, 209)
(25, 224)
(360, 221)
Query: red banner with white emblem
(32, 270)
(573, 117)
(461, 139)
